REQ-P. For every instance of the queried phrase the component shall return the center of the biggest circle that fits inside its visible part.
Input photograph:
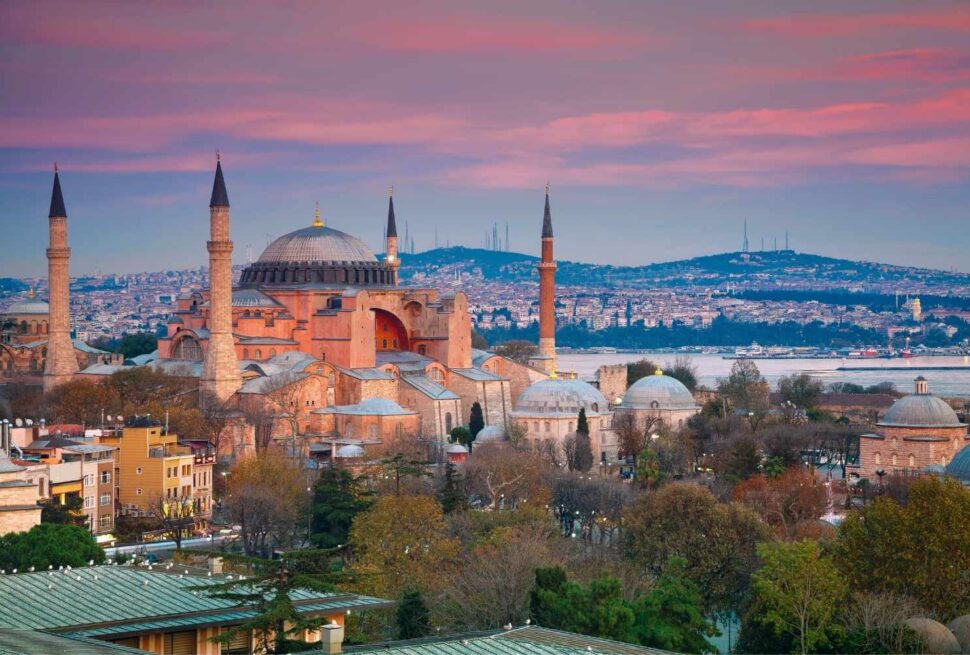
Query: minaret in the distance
(546, 360)
(391, 248)
(220, 370)
(61, 363)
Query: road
(204, 542)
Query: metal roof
(476, 374)
(429, 387)
(34, 642)
(920, 411)
(317, 244)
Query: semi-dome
(317, 244)
(560, 396)
(959, 466)
(490, 434)
(350, 451)
(29, 306)
(920, 411)
(658, 391)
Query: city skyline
(854, 137)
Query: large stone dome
(658, 392)
(29, 306)
(316, 244)
(920, 411)
(560, 396)
(959, 469)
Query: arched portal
(189, 348)
(389, 331)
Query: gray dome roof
(658, 392)
(560, 396)
(30, 306)
(349, 451)
(920, 411)
(317, 244)
(959, 466)
(490, 434)
(457, 449)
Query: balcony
(161, 452)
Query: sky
(660, 126)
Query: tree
(400, 542)
(338, 497)
(175, 516)
(717, 541)
(800, 389)
(670, 615)
(744, 460)
(517, 350)
(504, 476)
(81, 401)
(598, 610)
(745, 389)
(787, 503)
(462, 435)
(918, 549)
(453, 494)
(639, 369)
(799, 591)
(648, 470)
(70, 512)
(582, 423)
(579, 451)
(476, 421)
(413, 616)
(138, 343)
(478, 341)
(49, 545)
(400, 466)
(267, 501)
(269, 589)
(685, 371)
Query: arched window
(372, 431)
(272, 352)
(422, 349)
(596, 407)
(895, 460)
(654, 404)
(912, 460)
(245, 353)
(448, 422)
(188, 348)
(259, 354)
(878, 458)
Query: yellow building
(151, 467)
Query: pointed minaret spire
(57, 198)
(391, 239)
(546, 359)
(220, 197)
(547, 218)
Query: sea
(947, 376)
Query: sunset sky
(661, 126)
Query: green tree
(476, 421)
(400, 466)
(670, 615)
(70, 512)
(517, 350)
(799, 591)
(918, 549)
(139, 343)
(745, 389)
(598, 610)
(640, 369)
(461, 435)
(582, 423)
(452, 495)
(685, 371)
(648, 470)
(744, 461)
(47, 545)
(413, 616)
(338, 497)
(800, 389)
(579, 449)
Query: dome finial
(658, 372)
(317, 221)
(31, 293)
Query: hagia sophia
(319, 334)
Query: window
(535, 426)
(596, 407)
(188, 348)
(105, 499)
(548, 427)
(912, 460)
(895, 459)
(878, 459)
(88, 502)
(448, 422)
(105, 477)
(138, 491)
(104, 522)
(186, 469)
(89, 480)
(179, 643)
(138, 471)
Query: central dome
(560, 396)
(658, 392)
(921, 411)
(316, 245)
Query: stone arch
(188, 348)
(389, 331)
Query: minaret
(220, 371)
(547, 296)
(61, 362)
(392, 258)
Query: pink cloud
(458, 34)
(832, 25)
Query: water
(711, 368)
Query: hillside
(758, 270)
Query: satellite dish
(30, 422)
(121, 419)
(18, 422)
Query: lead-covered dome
(317, 244)
(29, 306)
(959, 469)
(920, 411)
(658, 391)
(560, 396)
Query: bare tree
(267, 500)
(174, 516)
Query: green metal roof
(32, 642)
(82, 601)
(530, 640)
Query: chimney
(215, 565)
(332, 638)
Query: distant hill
(785, 268)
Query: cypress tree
(413, 616)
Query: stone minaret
(391, 249)
(61, 362)
(546, 360)
(220, 371)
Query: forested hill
(760, 270)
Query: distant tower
(917, 308)
(744, 243)
(546, 361)
(507, 247)
(61, 362)
(220, 369)
(391, 247)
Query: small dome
(457, 449)
(959, 466)
(658, 392)
(935, 636)
(490, 434)
(560, 396)
(30, 306)
(317, 244)
(960, 627)
(349, 452)
(920, 411)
